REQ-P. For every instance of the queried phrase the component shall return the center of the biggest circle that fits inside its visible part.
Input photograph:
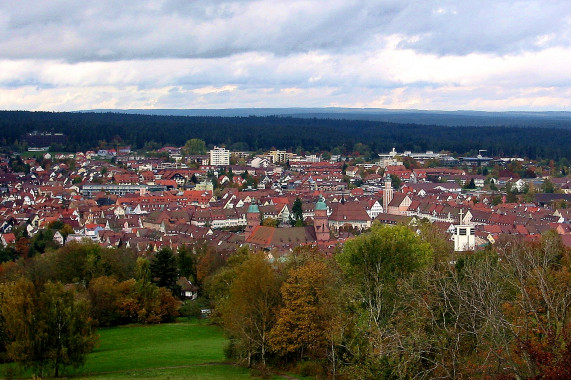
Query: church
(287, 237)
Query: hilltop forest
(87, 130)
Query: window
(462, 231)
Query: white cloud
(66, 55)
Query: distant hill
(368, 137)
(448, 118)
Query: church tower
(320, 220)
(252, 218)
(464, 235)
(387, 193)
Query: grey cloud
(119, 30)
(463, 27)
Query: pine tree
(164, 271)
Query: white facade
(375, 210)
(219, 156)
(464, 237)
(280, 156)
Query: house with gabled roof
(399, 204)
(351, 214)
(8, 239)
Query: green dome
(320, 205)
(253, 208)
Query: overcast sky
(62, 55)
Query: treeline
(397, 303)
(86, 130)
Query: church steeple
(252, 218)
(387, 193)
(320, 220)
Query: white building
(280, 156)
(464, 236)
(391, 157)
(219, 156)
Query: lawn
(153, 346)
(183, 350)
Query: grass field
(183, 350)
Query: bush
(230, 349)
(261, 371)
(312, 369)
(192, 308)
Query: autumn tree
(143, 301)
(540, 314)
(104, 295)
(270, 222)
(308, 324)
(248, 313)
(209, 260)
(46, 329)
(217, 285)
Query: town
(275, 200)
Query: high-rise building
(219, 156)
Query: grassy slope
(193, 349)
(156, 346)
(180, 350)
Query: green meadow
(183, 350)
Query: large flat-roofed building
(119, 190)
(280, 156)
(44, 139)
(219, 156)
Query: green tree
(375, 264)
(42, 241)
(186, 262)
(164, 272)
(470, 185)
(46, 329)
(548, 186)
(297, 213)
(7, 253)
(194, 146)
(395, 181)
(377, 259)
(66, 230)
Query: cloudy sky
(62, 55)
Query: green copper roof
(253, 208)
(320, 205)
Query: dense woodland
(397, 303)
(87, 130)
(394, 302)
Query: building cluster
(145, 203)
